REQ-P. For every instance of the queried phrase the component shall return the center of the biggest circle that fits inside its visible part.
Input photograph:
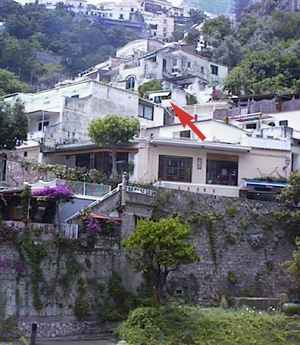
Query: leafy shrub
(231, 211)
(231, 277)
(174, 325)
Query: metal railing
(86, 188)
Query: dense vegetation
(40, 45)
(173, 325)
(262, 50)
(13, 125)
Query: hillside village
(160, 136)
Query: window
(3, 168)
(103, 162)
(83, 161)
(130, 83)
(202, 69)
(185, 134)
(25, 154)
(251, 125)
(75, 96)
(41, 126)
(146, 111)
(173, 168)
(164, 65)
(121, 16)
(283, 123)
(189, 64)
(222, 170)
(214, 69)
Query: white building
(174, 158)
(62, 115)
(176, 65)
(124, 10)
(161, 26)
(74, 5)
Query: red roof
(101, 216)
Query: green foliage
(8, 328)
(152, 85)
(217, 28)
(9, 83)
(274, 71)
(293, 265)
(25, 202)
(113, 130)
(81, 307)
(231, 211)
(37, 40)
(291, 194)
(157, 248)
(232, 278)
(13, 125)
(209, 220)
(33, 254)
(262, 51)
(173, 325)
(114, 302)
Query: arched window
(130, 83)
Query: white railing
(85, 188)
(141, 190)
(229, 191)
(76, 187)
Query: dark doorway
(222, 170)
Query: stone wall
(241, 243)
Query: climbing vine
(210, 221)
(33, 253)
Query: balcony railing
(86, 189)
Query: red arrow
(187, 120)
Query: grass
(174, 325)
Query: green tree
(152, 85)
(111, 131)
(293, 266)
(9, 83)
(13, 125)
(158, 248)
(217, 28)
(291, 194)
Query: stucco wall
(253, 164)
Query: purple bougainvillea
(57, 192)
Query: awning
(101, 216)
